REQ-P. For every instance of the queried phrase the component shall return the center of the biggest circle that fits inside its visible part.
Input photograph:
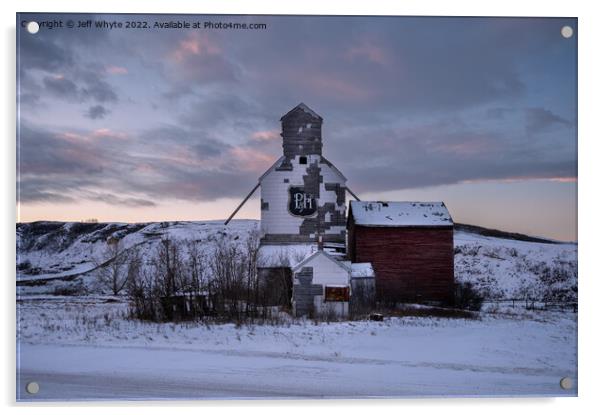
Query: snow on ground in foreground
(85, 349)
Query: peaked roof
(316, 254)
(303, 108)
(277, 162)
(398, 214)
(323, 160)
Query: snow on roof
(317, 253)
(362, 270)
(400, 213)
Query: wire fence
(535, 304)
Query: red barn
(410, 246)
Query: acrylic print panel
(220, 207)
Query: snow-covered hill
(503, 268)
(59, 257)
(54, 257)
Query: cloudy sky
(177, 124)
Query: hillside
(58, 257)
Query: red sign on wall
(336, 294)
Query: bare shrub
(362, 300)
(183, 282)
(467, 297)
(71, 289)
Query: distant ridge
(479, 230)
(46, 226)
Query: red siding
(411, 263)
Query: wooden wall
(412, 264)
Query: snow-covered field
(84, 348)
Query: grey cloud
(35, 196)
(44, 152)
(215, 109)
(29, 98)
(196, 141)
(32, 188)
(61, 87)
(42, 52)
(446, 153)
(498, 113)
(95, 87)
(92, 88)
(96, 112)
(540, 119)
(384, 178)
(65, 75)
(125, 201)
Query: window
(303, 160)
(336, 294)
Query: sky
(156, 124)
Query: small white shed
(321, 286)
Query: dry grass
(427, 311)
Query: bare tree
(141, 289)
(228, 267)
(111, 267)
(251, 259)
(186, 280)
(195, 279)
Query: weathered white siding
(327, 271)
(276, 219)
(337, 308)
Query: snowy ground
(83, 348)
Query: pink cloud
(466, 148)
(100, 133)
(335, 86)
(515, 179)
(367, 50)
(73, 137)
(251, 160)
(107, 133)
(116, 70)
(269, 135)
(563, 179)
(195, 45)
(145, 168)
